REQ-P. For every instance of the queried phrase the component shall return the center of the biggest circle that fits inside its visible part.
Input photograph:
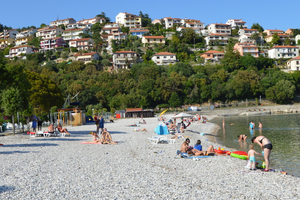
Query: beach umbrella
(163, 112)
(182, 115)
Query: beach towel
(185, 155)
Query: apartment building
(294, 64)
(139, 32)
(82, 44)
(217, 39)
(170, 22)
(247, 31)
(282, 37)
(51, 44)
(72, 34)
(65, 22)
(213, 56)
(129, 20)
(272, 31)
(17, 51)
(92, 20)
(6, 42)
(49, 32)
(78, 26)
(234, 23)
(124, 59)
(8, 34)
(224, 29)
(164, 58)
(151, 40)
(87, 57)
(283, 52)
(246, 48)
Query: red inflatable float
(242, 153)
(220, 151)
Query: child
(251, 157)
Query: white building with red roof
(283, 52)
(282, 37)
(129, 20)
(224, 29)
(72, 34)
(63, 21)
(92, 20)
(49, 32)
(272, 31)
(151, 40)
(247, 31)
(52, 43)
(124, 59)
(17, 51)
(164, 58)
(294, 64)
(236, 23)
(213, 56)
(246, 48)
(216, 39)
(170, 22)
(87, 57)
(82, 44)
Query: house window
(165, 56)
(297, 62)
(157, 57)
(154, 40)
(171, 56)
(160, 40)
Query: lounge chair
(161, 139)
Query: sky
(270, 14)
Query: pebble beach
(62, 168)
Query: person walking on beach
(40, 123)
(251, 157)
(96, 119)
(266, 147)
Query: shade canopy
(182, 115)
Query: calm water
(282, 130)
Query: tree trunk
(13, 122)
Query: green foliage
(258, 27)
(276, 39)
(174, 100)
(282, 92)
(64, 55)
(146, 20)
(43, 25)
(62, 26)
(103, 15)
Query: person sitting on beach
(251, 157)
(172, 126)
(51, 128)
(183, 126)
(266, 147)
(106, 138)
(242, 137)
(140, 129)
(95, 136)
(132, 125)
(185, 148)
(61, 129)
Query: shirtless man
(51, 128)
(106, 138)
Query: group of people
(105, 137)
(60, 129)
(197, 149)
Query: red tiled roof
(83, 39)
(21, 46)
(85, 54)
(213, 51)
(223, 24)
(247, 29)
(154, 37)
(165, 54)
(125, 52)
(134, 109)
(274, 30)
(62, 20)
(284, 47)
(296, 58)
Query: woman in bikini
(61, 129)
(266, 146)
(242, 138)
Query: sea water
(282, 130)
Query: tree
(258, 27)
(11, 102)
(276, 39)
(85, 35)
(256, 37)
(43, 25)
(49, 54)
(282, 92)
(64, 55)
(124, 29)
(146, 21)
(103, 15)
(174, 100)
(188, 36)
(62, 26)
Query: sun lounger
(161, 139)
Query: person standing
(39, 123)
(101, 123)
(96, 119)
(266, 147)
(33, 119)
